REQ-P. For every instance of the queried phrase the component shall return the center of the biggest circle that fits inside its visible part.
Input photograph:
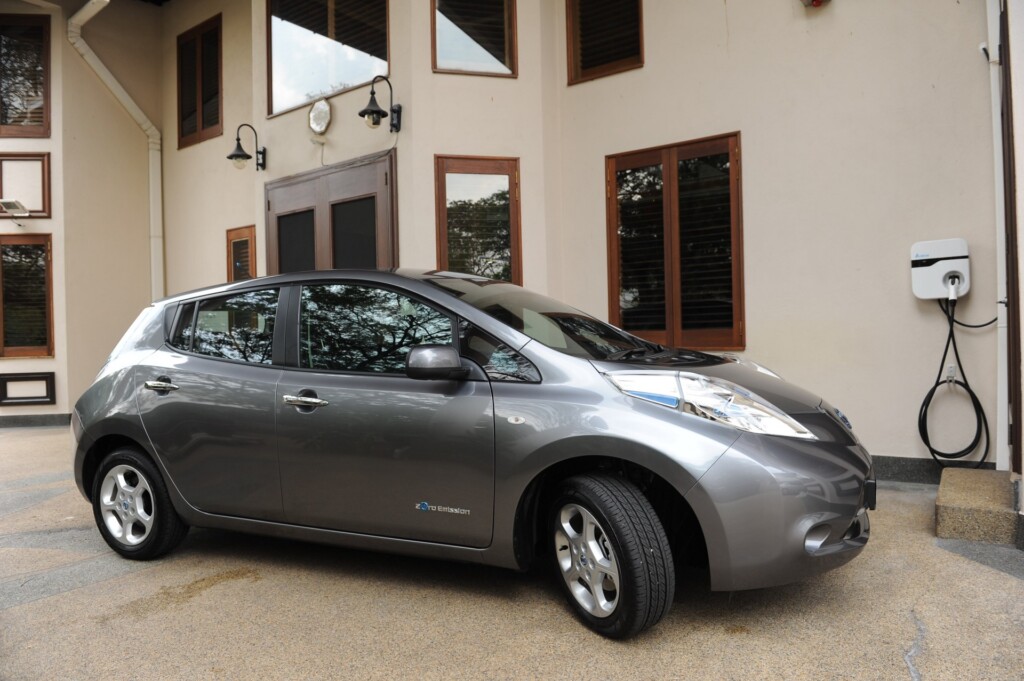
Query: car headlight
(712, 398)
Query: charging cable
(981, 421)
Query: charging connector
(952, 285)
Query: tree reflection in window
(499, 361)
(238, 327)
(346, 327)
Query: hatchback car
(448, 416)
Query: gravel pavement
(233, 606)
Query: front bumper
(777, 510)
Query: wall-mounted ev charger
(940, 269)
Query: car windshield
(546, 320)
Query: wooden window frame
(511, 45)
(669, 156)
(48, 379)
(327, 95)
(30, 351)
(33, 130)
(196, 33)
(479, 165)
(44, 160)
(247, 233)
(576, 72)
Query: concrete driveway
(230, 606)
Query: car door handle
(161, 385)
(303, 401)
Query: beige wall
(204, 195)
(106, 181)
(865, 128)
(53, 226)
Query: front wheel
(612, 555)
(132, 509)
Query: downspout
(1002, 426)
(156, 207)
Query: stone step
(975, 505)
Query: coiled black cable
(981, 421)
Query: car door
(364, 448)
(207, 402)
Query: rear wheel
(611, 554)
(132, 509)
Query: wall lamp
(14, 210)
(373, 113)
(239, 156)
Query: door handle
(303, 401)
(160, 385)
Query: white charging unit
(934, 265)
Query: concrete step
(975, 505)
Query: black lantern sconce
(372, 113)
(239, 156)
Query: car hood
(788, 397)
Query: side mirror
(434, 362)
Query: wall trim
(905, 469)
(35, 420)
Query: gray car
(448, 416)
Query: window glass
(679, 284)
(705, 237)
(354, 233)
(323, 46)
(199, 87)
(25, 286)
(238, 327)
(345, 327)
(543, 319)
(24, 75)
(296, 247)
(241, 253)
(476, 36)
(605, 37)
(501, 362)
(181, 337)
(641, 248)
(478, 217)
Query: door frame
(319, 201)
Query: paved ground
(227, 606)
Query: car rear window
(239, 327)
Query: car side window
(499, 361)
(238, 327)
(181, 336)
(357, 327)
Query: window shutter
(25, 295)
(609, 31)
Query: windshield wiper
(633, 353)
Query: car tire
(132, 509)
(612, 556)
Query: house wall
(106, 180)
(204, 195)
(53, 225)
(865, 127)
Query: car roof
(394, 275)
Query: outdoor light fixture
(15, 210)
(239, 156)
(373, 113)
